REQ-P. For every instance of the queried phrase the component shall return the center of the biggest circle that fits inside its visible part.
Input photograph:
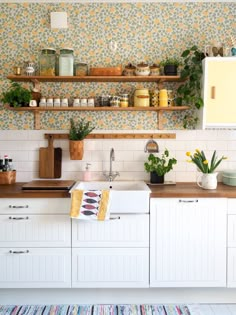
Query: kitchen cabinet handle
(18, 207)
(180, 200)
(115, 218)
(18, 251)
(213, 92)
(18, 218)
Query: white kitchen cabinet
(110, 267)
(35, 249)
(231, 267)
(111, 254)
(188, 242)
(219, 93)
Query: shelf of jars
(38, 110)
(88, 78)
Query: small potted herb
(159, 166)
(170, 66)
(17, 96)
(77, 133)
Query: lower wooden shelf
(38, 110)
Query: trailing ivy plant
(189, 93)
(17, 96)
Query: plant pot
(76, 148)
(156, 179)
(170, 70)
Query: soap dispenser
(87, 173)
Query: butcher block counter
(188, 190)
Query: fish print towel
(90, 204)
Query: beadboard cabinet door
(35, 267)
(188, 242)
(110, 267)
(219, 93)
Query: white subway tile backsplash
(129, 154)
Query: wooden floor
(213, 309)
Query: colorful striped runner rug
(159, 309)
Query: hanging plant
(189, 93)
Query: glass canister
(81, 69)
(141, 98)
(66, 62)
(47, 62)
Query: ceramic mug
(207, 180)
(33, 103)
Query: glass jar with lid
(47, 62)
(66, 62)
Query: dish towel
(90, 204)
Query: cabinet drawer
(35, 205)
(232, 206)
(35, 230)
(120, 231)
(110, 267)
(232, 230)
(35, 268)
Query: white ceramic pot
(207, 180)
(142, 69)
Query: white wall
(23, 146)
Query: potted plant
(170, 66)
(189, 93)
(159, 166)
(78, 131)
(17, 96)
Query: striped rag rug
(127, 309)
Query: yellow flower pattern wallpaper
(144, 32)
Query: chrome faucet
(111, 175)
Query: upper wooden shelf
(89, 78)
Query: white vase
(207, 180)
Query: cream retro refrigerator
(219, 93)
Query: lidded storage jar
(141, 98)
(47, 62)
(66, 62)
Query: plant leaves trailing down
(17, 96)
(189, 93)
(80, 130)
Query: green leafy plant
(17, 96)
(189, 93)
(203, 164)
(190, 122)
(170, 61)
(79, 130)
(160, 165)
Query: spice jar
(47, 62)
(124, 100)
(81, 69)
(66, 62)
(141, 98)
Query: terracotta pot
(76, 148)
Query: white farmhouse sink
(126, 196)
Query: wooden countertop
(183, 190)
(15, 191)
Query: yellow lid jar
(141, 98)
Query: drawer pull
(18, 218)
(115, 218)
(18, 207)
(180, 200)
(19, 251)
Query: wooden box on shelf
(7, 177)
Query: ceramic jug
(207, 180)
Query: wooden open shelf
(38, 110)
(89, 78)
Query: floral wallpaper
(144, 32)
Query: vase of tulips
(208, 177)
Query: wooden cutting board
(48, 185)
(50, 161)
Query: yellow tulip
(198, 151)
(188, 153)
(205, 162)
